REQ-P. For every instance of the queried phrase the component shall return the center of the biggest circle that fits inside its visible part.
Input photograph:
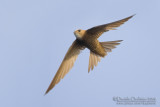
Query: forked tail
(94, 58)
(109, 45)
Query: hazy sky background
(35, 35)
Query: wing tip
(120, 40)
(131, 16)
(46, 91)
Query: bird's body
(87, 39)
(93, 45)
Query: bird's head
(79, 33)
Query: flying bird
(87, 39)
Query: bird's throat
(78, 36)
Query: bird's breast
(95, 47)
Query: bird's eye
(79, 30)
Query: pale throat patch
(78, 34)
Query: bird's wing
(93, 60)
(97, 31)
(66, 64)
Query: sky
(36, 34)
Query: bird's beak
(74, 32)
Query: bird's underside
(87, 39)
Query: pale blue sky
(35, 35)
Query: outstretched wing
(66, 64)
(97, 31)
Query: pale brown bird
(87, 39)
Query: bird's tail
(109, 45)
(94, 58)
